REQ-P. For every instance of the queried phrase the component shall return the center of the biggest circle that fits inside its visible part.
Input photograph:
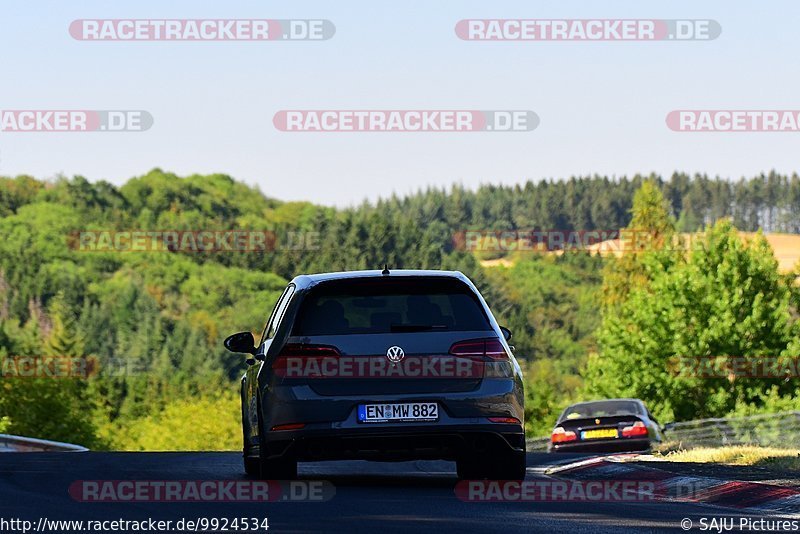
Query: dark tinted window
(277, 314)
(600, 409)
(376, 306)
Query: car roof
(305, 280)
(638, 401)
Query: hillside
(154, 321)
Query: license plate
(599, 434)
(398, 412)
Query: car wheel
(467, 468)
(272, 468)
(278, 469)
(252, 466)
(503, 466)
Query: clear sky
(602, 105)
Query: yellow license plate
(599, 434)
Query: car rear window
(377, 306)
(600, 409)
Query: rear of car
(614, 425)
(398, 366)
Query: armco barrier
(9, 443)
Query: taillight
(490, 347)
(562, 436)
(293, 358)
(289, 426)
(636, 430)
(307, 351)
(506, 420)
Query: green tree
(64, 338)
(727, 301)
(647, 245)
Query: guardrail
(9, 443)
(537, 444)
(766, 430)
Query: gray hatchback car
(385, 366)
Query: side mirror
(668, 426)
(242, 342)
(506, 333)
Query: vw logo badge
(395, 354)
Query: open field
(785, 246)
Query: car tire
(272, 468)
(278, 469)
(467, 468)
(252, 466)
(503, 466)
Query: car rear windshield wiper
(416, 327)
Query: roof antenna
(385, 270)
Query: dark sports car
(385, 366)
(613, 425)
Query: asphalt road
(369, 497)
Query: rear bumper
(617, 445)
(396, 443)
(283, 404)
(332, 431)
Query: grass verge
(768, 457)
